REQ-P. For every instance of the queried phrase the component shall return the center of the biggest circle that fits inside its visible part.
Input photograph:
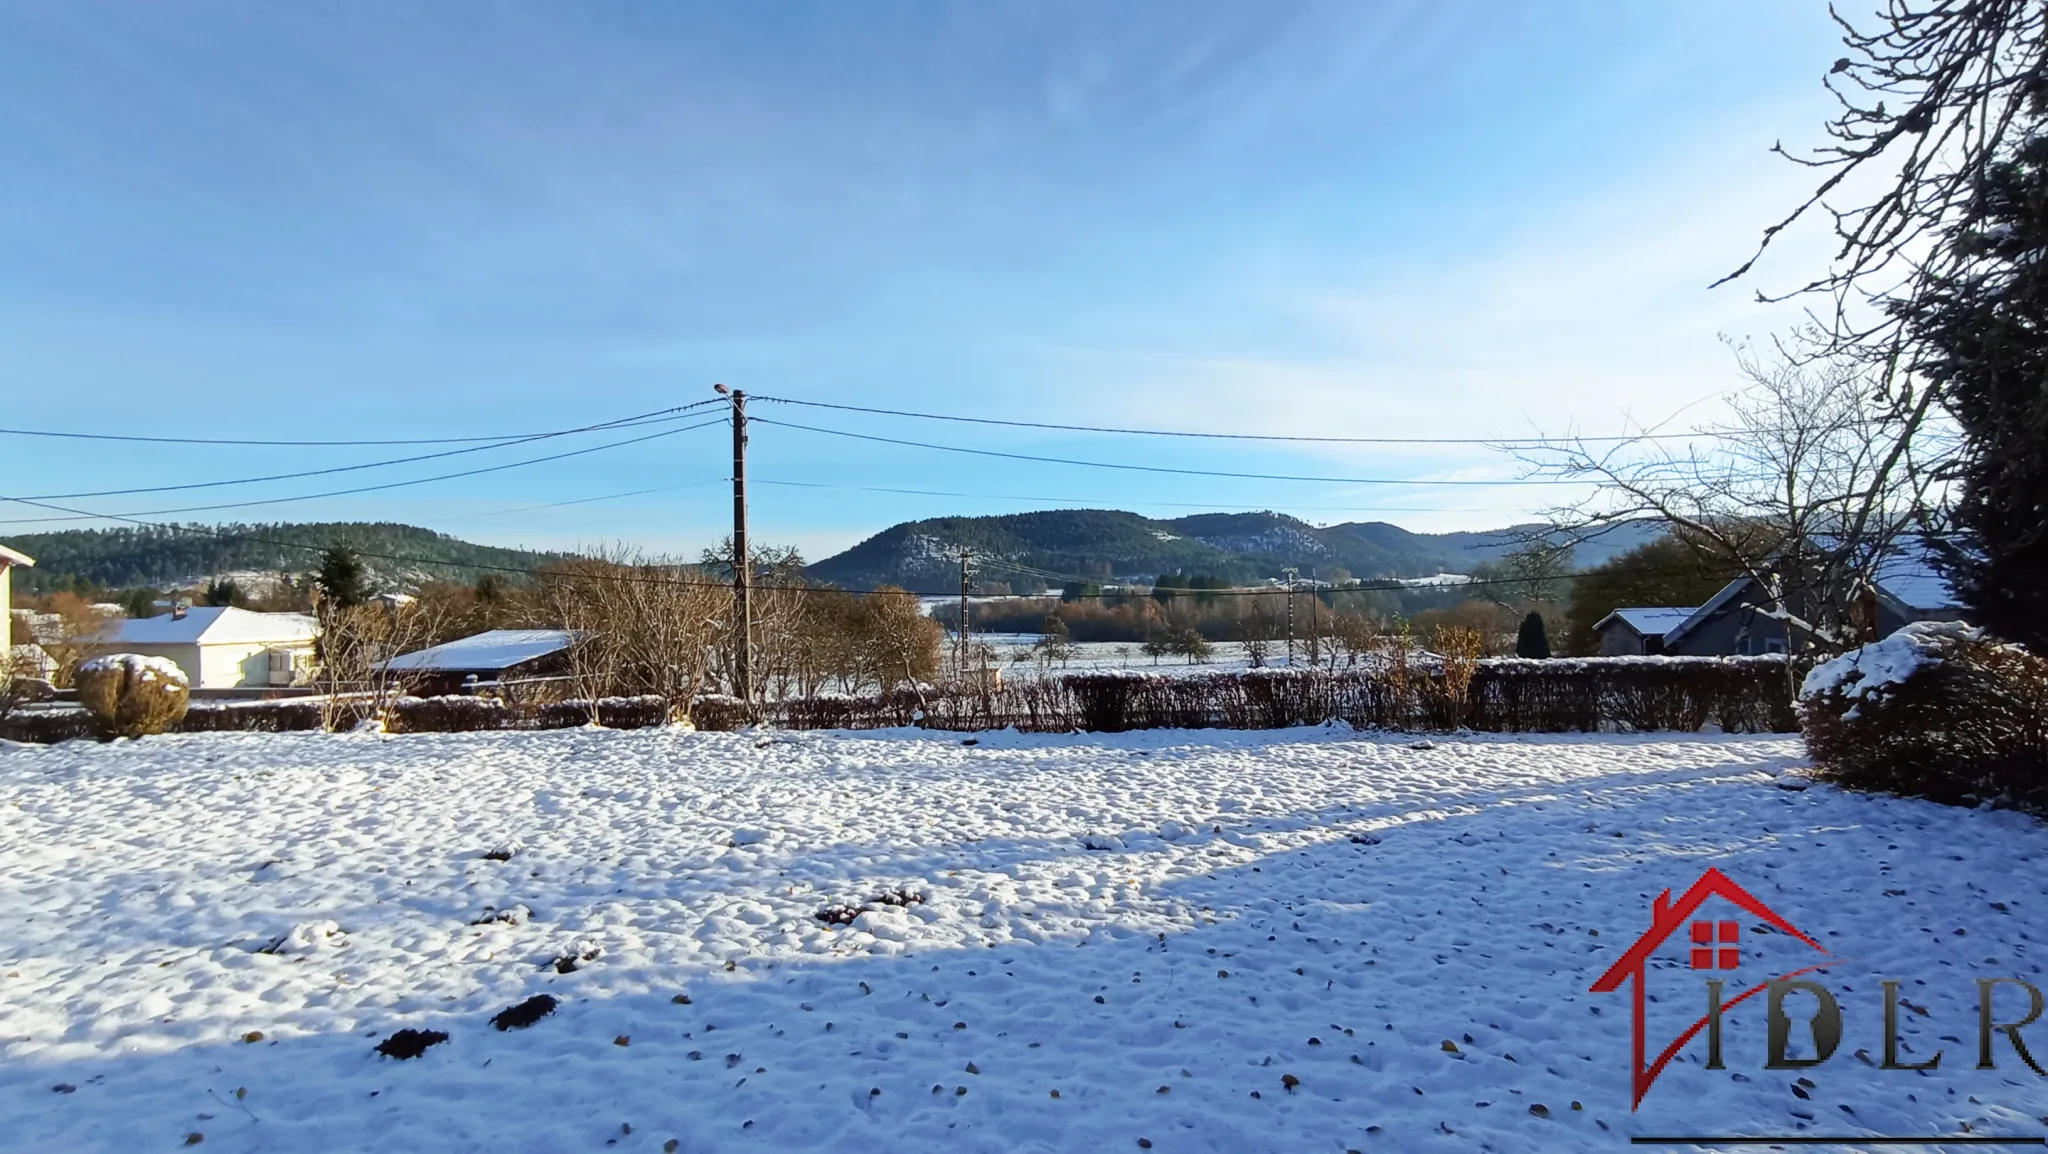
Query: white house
(220, 647)
(8, 560)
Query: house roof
(1906, 577)
(1706, 612)
(211, 625)
(1649, 621)
(1914, 582)
(15, 557)
(486, 652)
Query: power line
(1150, 468)
(1093, 502)
(363, 488)
(587, 500)
(1487, 441)
(643, 419)
(1380, 585)
(298, 444)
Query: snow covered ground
(1304, 941)
(1226, 657)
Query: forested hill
(1103, 544)
(162, 557)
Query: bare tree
(576, 597)
(1933, 99)
(357, 643)
(893, 642)
(1931, 95)
(643, 625)
(68, 629)
(1537, 571)
(1809, 489)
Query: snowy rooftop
(485, 652)
(211, 625)
(1651, 621)
(1914, 581)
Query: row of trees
(642, 624)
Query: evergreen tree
(1533, 641)
(222, 591)
(1982, 333)
(1666, 571)
(343, 580)
(491, 589)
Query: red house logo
(1714, 945)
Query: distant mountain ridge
(1106, 544)
(1025, 549)
(170, 556)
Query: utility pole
(742, 559)
(1290, 572)
(960, 646)
(1315, 636)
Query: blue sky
(369, 220)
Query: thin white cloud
(1597, 320)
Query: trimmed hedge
(642, 712)
(1622, 694)
(1508, 695)
(47, 726)
(286, 716)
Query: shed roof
(14, 557)
(485, 652)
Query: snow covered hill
(1302, 941)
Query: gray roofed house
(1633, 631)
(1735, 620)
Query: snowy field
(1226, 656)
(1299, 941)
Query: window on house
(1774, 645)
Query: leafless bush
(357, 643)
(642, 625)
